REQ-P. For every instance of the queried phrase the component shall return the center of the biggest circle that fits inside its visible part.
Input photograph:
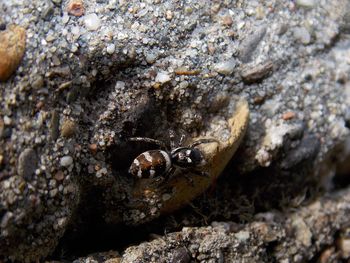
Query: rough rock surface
(141, 68)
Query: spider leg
(170, 173)
(189, 179)
(172, 139)
(200, 141)
(182, 138)
(148, 140)
(200, 173)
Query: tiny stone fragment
(66, 161)
(12, 47)
(92, 22)
(288, 115)
(181, 256)
(59, 176)
(38, 82)
(162, 77)
(48, 10)
(302, 35)
(76, 7)
(110, 49)
(225, 67)
(68, 128)
(250, 43)
(344, 246)
(27, 163)
(257, 73)
(93, 148)
(305, 3)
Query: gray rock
(68, 73)
(27, 163)
(250, 43)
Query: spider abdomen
(150, 164)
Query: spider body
(162, 163)
(150, 164)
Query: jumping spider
(162, 163)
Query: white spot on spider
(152, 173)
(189, 160)
(139, 173)
(148, 157)
(136, 162)
(188, 152)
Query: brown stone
(93, 148)
(68, 128)
(12, 47)
(59, 176)
(257, 73)
(288, 115)
(75, 7)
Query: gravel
(118, 69)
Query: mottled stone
(27, 163)
(68, 129)
(12, 47)
(75, 7)
(225, 67)
(256, 73)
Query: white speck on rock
(306, 3)
(273, 140)
(66, 161)
(150, 57)
(242, 236)
(120, 85)
(65, 18)
(225, 67)
(92, 22)
(75, 31)
(110, 48)
(302, 35)
(163, 77)
(7, 120)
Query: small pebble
(302, 35)
(93, 148)
(65, 18)
(344, 245)
(110, 48)
(66, 161)
(150, 57)
(38, 82)
(288, 115)
(305, 3)
(7, 120)
(27, 163)
(242, 236)
(92, 22)
(68, 128)
(257, 73)
(75, 7)
(225, 67)
(47, 11)
(166, 197)
(162, 77)
(227, 20)
(12, 47)
(169, 15)
(53, 192)
(59, 176)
